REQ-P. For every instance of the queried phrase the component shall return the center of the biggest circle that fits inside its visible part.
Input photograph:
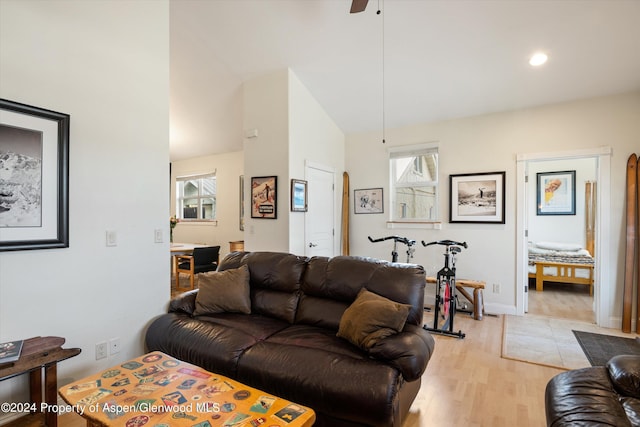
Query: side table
(39, 358)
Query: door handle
(312, 245)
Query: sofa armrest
(624, 371)
(184, 303)
(409, 351)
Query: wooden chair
(201, 260)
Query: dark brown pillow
(370, 318)
(223, 292)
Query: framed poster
(556, 193)
(477, 198)
(263, 197)
(34, 177)
(298, 195)
(368, 201)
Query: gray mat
(600, 348)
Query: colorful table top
(158, 390)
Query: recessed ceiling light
(538, 59)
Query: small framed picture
(368, 201)
(263, 197)
(556, 193)
(298, 195)
(477, 198)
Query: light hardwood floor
(467, 383)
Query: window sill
(425, 225)
(199, 222)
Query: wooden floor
(467, 383)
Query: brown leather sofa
(287, 345)
(596, 396)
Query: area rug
(543, 340)
(600, 348)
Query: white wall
(314, 137)
(107, 65)
(266, 108)
(490, 143)
(559, 228)
(292, 129)
(228, 168)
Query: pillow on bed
(567, 247)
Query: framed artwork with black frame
(264, 197)
(556, 193)
(477, 198)
(368, 201)
(34, 190)
(298, 195)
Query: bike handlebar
(404, 240)
(445, 243)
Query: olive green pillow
(223, 292)
(370, 318)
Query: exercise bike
(396, 240)
(446, 297)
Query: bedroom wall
(490, 143)
(66, 56)
(228, 168)
(559, 228)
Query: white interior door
(319, 219)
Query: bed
(562, 263)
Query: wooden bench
(476, 299)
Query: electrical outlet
(101, 350)
(496, 288)
(114, 346)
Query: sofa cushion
(215, 342)
(275, 281)
(370, 318)
(339, 279)
(224, 292)
(357, 389)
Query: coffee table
(160, 391)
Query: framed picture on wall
(298, 195)
(264, 197)
(368, 201)
(477, 198)
(556, 193)
(34, 191)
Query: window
(414, 183)
(196, 197)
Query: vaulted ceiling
(418, 61)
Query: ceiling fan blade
(358, 6)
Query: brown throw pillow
(370, 318)
(223, 292)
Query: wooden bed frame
(565, 273)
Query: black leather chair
(201, 260)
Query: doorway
(601, 157)
(319, 219)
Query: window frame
(406, 152)
(180, 197)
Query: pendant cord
(379, 12)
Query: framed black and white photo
(368, 201)
(298, 195)
(263, 197)
(34, 177)
(477, 198)
(556, 193)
